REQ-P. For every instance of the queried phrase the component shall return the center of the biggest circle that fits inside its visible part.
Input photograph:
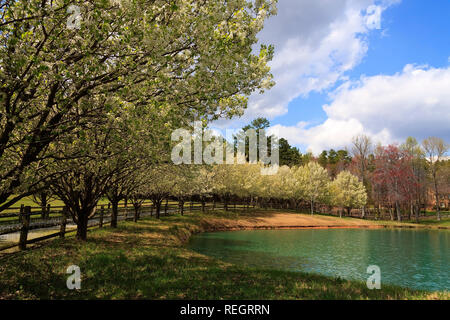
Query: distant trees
(361, 150)
(395, 175)
(309, 184)
(335, 161)
(418, 186)
(289, 156)
(435, 148)
(348, 192)
(314, 181)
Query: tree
(418, 166)
(185, 184)
(42, 198)
(314, 178)
(159, 182)
(196, 58)
(289, 156)
(435, 148)
(394, 174)
(259, 125)
(225, 182)
(362, 148)
(104, 156)
(347, 191)
(323, 159)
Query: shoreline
(211, 223)
(154, 263)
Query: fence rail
(20, 226)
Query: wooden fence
(28, 223)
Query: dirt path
(285, 221)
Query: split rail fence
(26, 225)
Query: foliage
(347, 191)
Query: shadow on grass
(144, 261)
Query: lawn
(148, 260)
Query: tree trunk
(165, 207)
(416, 212)
(363, 212)
(399, 212)
(390, 212)
(181, 206)
(203, 205)
(44, 207)
(312, 207)
(136, 212)
(114, 213)
(436, 193)
(158, 208)
(82, 225)
(411, 210)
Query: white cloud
(316, 42)
(414, 102)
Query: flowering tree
(313, 178)
(347, 191)
(187, 58)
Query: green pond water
(418, 259)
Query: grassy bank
(147, 260)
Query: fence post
(25, 219)
(62, 228)
(102, 209)
(20, 212)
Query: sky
(348, 67)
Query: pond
(418, 259)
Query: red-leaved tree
(393, 177)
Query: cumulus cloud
(316, 42)
(414, 102)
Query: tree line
(402, 179)
(84, 110)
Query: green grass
(423, 223)
(445, 222)
(147, 260)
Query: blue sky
(345, 67)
